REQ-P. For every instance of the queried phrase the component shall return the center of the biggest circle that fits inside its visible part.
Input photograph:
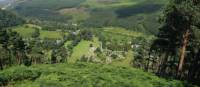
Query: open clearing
(77, 14)
(26, 32)
(82, 49)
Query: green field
(26, 32)
(67, 43)
(23, 31)
(51, 4)
(50, 34)
(122, 34)
(110, 3)
(82, 75)
(124, 62)
(122, 31)
(82, 49)
(117, 3)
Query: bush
(18, 74)
(82, 74)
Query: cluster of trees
(47, 50)
(16, 50)
(8, 19)
(176, 51)
(34, 50)
(53, 25)
(78, 35)
(12, 48)
(112, 42)
(141, 48)
(11, 44)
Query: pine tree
(180, 19)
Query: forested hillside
(9, 19)
(100, 43)
(140, 15)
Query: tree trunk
(1, 64)
(162, 65)
(148, 62)
(182, 52)
(18, 57)
(10, 57)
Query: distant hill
(140, 15)
(9, 19)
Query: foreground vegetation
(81, 74)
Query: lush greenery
(9, 19)
(175, 53)
(98, 42)
(81, 74)
(140, 15)
(28, 30)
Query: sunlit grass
(26, 32)
(82, 49)
(106, 4)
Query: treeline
(141, 17)
(176, 51)
(9, 40)
(16, 50)
(8, 19)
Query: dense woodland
(171, 52)
(94, 14)
(175, 52)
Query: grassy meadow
(26, 31)
(82, 49)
